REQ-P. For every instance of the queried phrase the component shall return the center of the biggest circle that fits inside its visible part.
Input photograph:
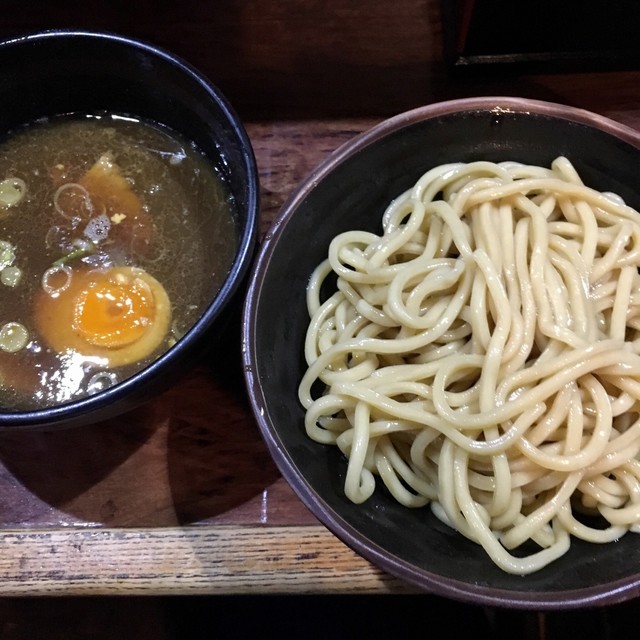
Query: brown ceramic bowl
(349, 191)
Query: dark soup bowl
(398, 414)
(128, 220)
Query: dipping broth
(115, 234)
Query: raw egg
(120, 315)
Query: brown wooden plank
(185, 561)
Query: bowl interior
(73, 72)
(65, 72)
(350, 191)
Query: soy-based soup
(114, 236)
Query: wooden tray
(181, 496)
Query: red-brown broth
(186, 238)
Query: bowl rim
(500, 105)
(614, 592)
(74, 413)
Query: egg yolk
(114, 312)
(120, 315)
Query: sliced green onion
(101, 381)
(73, 187)
(83, 249)
(11, 276)
(13, 337)
(7, 254)
(12, 190)
(48, 284)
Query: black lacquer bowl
(57, 72)
(350, 190)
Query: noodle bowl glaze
(357, 210)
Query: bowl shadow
(191, 454)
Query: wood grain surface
(173, 560)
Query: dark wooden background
(275, 59)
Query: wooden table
(180, 496)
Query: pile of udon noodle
(482, 356)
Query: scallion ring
(12, 191)
(72, 186)
(101, 381)
(13, 337)
(7, 254)
(11, 276)
(51, 276)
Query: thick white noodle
(482, 356)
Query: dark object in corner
(541, 36)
